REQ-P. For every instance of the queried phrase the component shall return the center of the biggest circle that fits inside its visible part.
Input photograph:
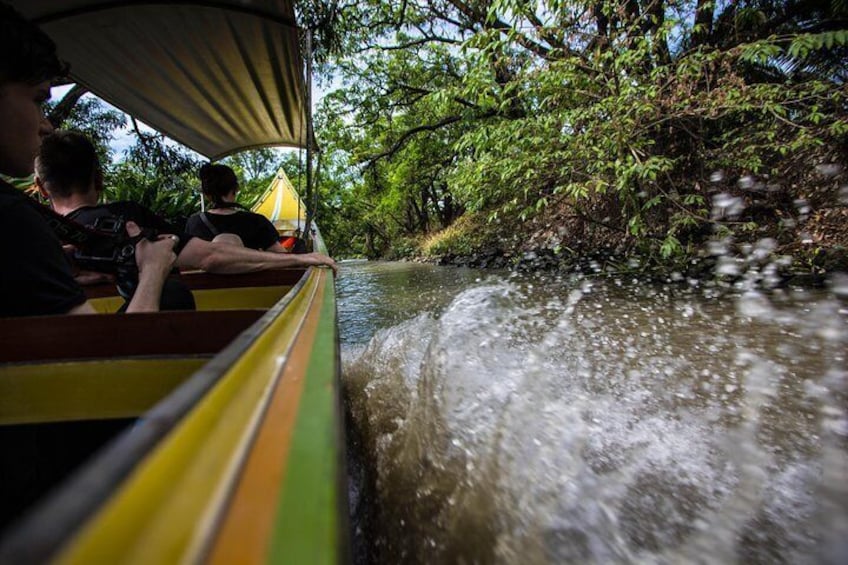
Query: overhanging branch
(408, 134)
(66, 105)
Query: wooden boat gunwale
(46, 528)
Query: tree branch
(425, 92)
(408, 134)
(66, 105)
(494, 23)
(414, 43)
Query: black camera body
(108, 254)
(113, 253)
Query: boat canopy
(217, 76)
(281, 204)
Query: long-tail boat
(212, 435)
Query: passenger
(36, 277)
(228, 221)
(71, 166)
(68, 155)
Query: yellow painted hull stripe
(239, 298)
(212, 299)
(88, 390)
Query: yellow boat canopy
(217, 76)
(281, 204)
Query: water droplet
(717, 246)
(829, 169)
(839, 284)
(837, 426)
(727, 266)
(815, 390)
(726, 205)
(802, 206)
(753, 305)
(746, 182)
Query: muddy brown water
(506, 418)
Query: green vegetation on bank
(641, 127)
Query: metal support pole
(310, 212)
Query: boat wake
(582, 424)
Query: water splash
(575, 422)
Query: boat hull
(236, 428)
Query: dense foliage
(643, 125)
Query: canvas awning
(217, 76)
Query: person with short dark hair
(63, 169)
(68, 173)
(226, 220)
(36, 277)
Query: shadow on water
(523, 419)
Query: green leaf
(670, 246)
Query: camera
(113, 253)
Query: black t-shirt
(129, 211)
(255, 230)
(35, 275)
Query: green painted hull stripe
(306, 525)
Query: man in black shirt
(68, 173)
(35, 276)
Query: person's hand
(158, 255)
(325, 260)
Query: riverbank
(767, 246)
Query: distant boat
(281, 204)
(206, 436)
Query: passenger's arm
(231, 259)
(154, 260)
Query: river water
(505, 418)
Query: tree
(159, 174)
(619, 111)
(87, 114)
